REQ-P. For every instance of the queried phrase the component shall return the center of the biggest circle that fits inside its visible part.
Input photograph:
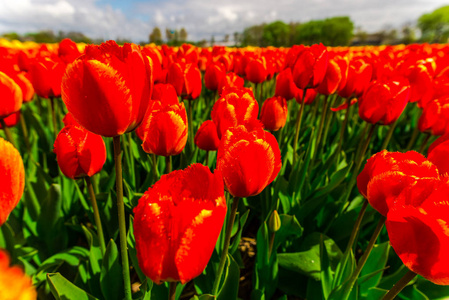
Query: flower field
(156, 172)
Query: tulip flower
(256, 70)
(438, 153)
(274, 113)
(79, 152)
(230, 80)
(186, 78)
(435, 117)
(331, 79)
(177, 223)
(14, 283)
(12, 179)
(107, 90)
(68, 51)
(46, 76)
(359, 76)
(386, 174)
(164, 130)
(248, 159)
(11, 120)
(206, 137)
(165, 93)
(285, 87)
(214, 74)
(235, 107)
(310, 66)
(417, 229)
(11, 96)
(384, 102)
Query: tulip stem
(424, 143)
(389, 135)
(8, 132)
(413, 138)
(168, 165)
(224, 253)
(172, 290)
(25, 133)
(402, 283)
(191, 124)
(53, 116)
(97, 219)
(343, 128)
(367, 252)
(298, 127)
(121, 216)
(320, 128)
(207, 158)
(155, 171)
(356, 227)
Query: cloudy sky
(135, 19)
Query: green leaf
(376, 261)
(326, 270)
(230, 287)
(241, 223)
(289, 227)
(376, 293)
(307, 261)
(203, 297)
(7, 240)
(111, 273)
(62, 289)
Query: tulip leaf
(240, 224)
(132, 250)
(289, 227)
(230, 287)
(111, 273)
(63, 289)
(376, 293)
(7, 240)
(326, 271)
(376, 261)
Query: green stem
(25, 133)
(8, 133)
(207, 158)
(97, 219)
(389, 135)
(328, 122)
(53, 116)
(155, 171)
(367, 252)
(224, 253)
(321, 126)
(298, 127)
(191, 124)
(131, 157)
(168, 164)
(402, 283)
(424, 143)
(121, 217)
(356, 227)
(270, 245)
(172, 290)
(343, 128)
(413, 138)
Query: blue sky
(135, 19)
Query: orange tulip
(177, 223)
(186, 78)
(10, 96)
(256, 70)
(274, 113)
(79, 152)
(230, 80)
(435, 117)
(12, 179)
(14, 283)
(107, 90)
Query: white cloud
(201, 19)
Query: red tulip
(418, 231)
(69, 120)
(256, 70)
(435, 117)
(274, 113)
(438, 154)
(230, 80)
(310, 96)
(10, 96)
(248, 159)
(235, 107)
(14, 283)
(107, 90)
(177, 223)
(79, 152)
(165, 93)
(420, 83)
(387, 174)
(310, 66)
(186, 78)
(215, 72)
(359, 76)
(46, 75)
(68, 51)
(12, 179)
(331, 80)
(383, 103)
(11, 120)
(285, 87)
(164, 130)
(206, 137)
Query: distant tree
(253, 35)
(226, 38)
(169, 34)
(310, 33)
(292, 33)
(11, 36)
(212, 41)
(337, 31)
(434, 26)
(156, 36)
(408, 34)
(275, 34)
(182, 35)
(45, 36)
(236, 38)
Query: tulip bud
(274, 222)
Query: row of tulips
(180, 229)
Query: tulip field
(157, 172)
